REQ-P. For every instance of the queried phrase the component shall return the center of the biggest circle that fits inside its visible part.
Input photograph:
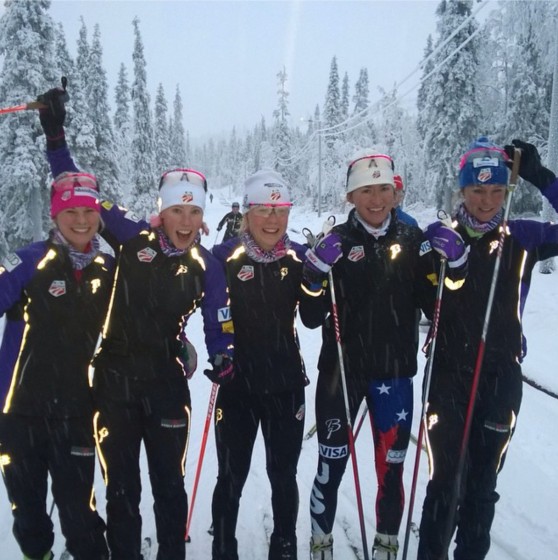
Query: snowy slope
(524, 527)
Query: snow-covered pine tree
(365, 134)
(103, 162)
(548, 214)
(28, 68)
(333, 161)
(144, 173)
(528, 86)
(282, 138)
(161, 130)
(451, 112)
(179, 156)
(80, 133)
(345, 98)
(123, 133)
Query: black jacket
(52, 329)
(264, 302)
(379, 284)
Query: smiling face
(78, 225)
(181, 224)
(373, 203)
(267, 225)
(484, 201)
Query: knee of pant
(121, 492)
(330, 470)
(281, 477)
(169, 489)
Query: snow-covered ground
(525, 524)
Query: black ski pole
(480, 356)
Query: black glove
(223, 371)
(219, 228)
(530, 167)
(53, 115)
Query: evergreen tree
(123, 133)
(282, 139)
(451, 115)
(345, 98)
(80, 131)
(365, 133)
(332, 107)
(144, 183)
(179, 157)
(28, 68)
(161, 130)
(334, 160)
(528, 86)
(103, 162)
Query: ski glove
(53, 115)
(187, 356)
(530, 166)
(325, 253)
(448, 243)
(223, 370)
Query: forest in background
(493, 78)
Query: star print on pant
(391, 412)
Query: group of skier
(364, 283)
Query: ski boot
(47, 556)
(321, 547)
(282, 548)
(385, 547)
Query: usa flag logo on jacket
(57, 288)
(246, 273)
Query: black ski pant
(493, 423)
(237, 417)
(390, 405)
(31, 448)
(160, 418)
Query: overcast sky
(225, 56)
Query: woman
(233, 221)
(162, 275)
(483, 180)
(264, 273)
(383, 269)
(55, 294)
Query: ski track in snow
(524, 526)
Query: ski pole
(329, 223)
(22, 107)
(350, 434)
(480, 356)
(212, 398)
(363, 415)
(425, 394)
(51, 510)
(33, 104)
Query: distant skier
(233, 219)
(399, 197)
(483, 181)
(211, 197)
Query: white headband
(181, 187)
